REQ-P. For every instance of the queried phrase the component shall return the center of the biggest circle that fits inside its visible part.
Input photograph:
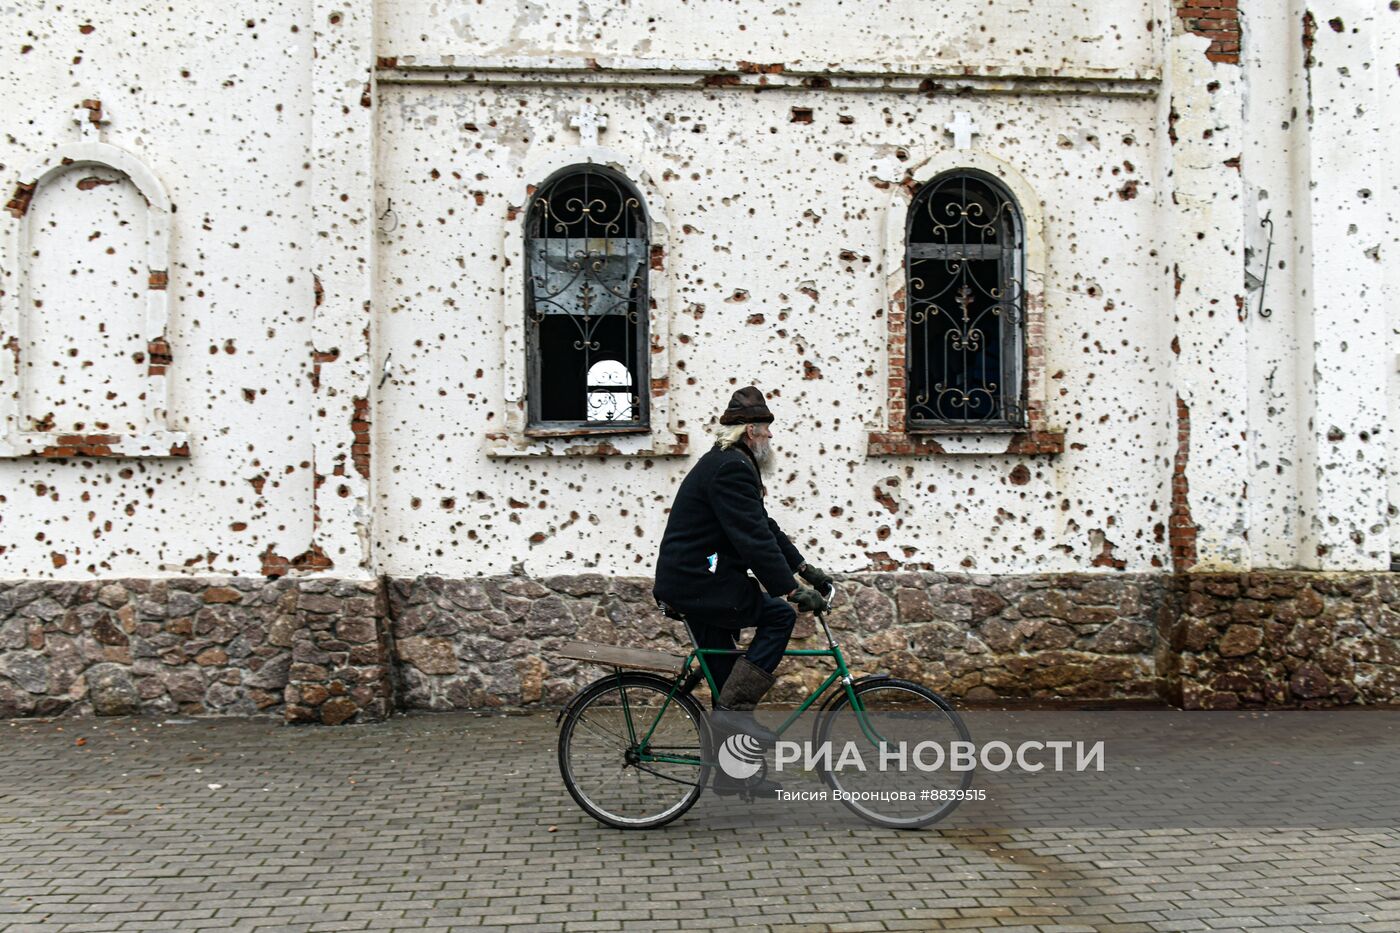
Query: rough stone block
(112, 691)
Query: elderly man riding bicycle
(718, 532)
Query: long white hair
(730, 434)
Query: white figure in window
(609, 392)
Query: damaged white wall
(331, 214)
(218, 106)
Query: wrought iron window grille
(965, 366)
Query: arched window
(587, 247)
(964, 266)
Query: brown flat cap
(747, 407)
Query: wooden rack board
(643, 659)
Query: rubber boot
(746, 685)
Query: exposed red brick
(881, 561)
(1181, 530)
(1037, 442)
(274, 565)
(1105, 557)
(1216, 20)
(81, 445)
(18, 205)
(897, 443)
(359, 426)
(759, 68)
(883, 497)
(658, 258)
(157, 357)
(92, 181)
(317, 358)
(603, 449)
(158, 281)
(313, 559)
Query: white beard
(763, 455)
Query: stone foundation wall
(304, 649)
(486, 642)
(342, 661)
(1285, 639)
(335, 651)
(166, 646)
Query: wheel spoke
(600, 761)
(896, 711)
(598, 729)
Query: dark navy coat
(718, 531)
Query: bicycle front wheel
(898, 714)
(610, 739)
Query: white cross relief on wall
(589, 123)
(963, 129)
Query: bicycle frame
(697, 655)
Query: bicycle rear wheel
(896, 711)
(602, 761)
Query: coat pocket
(733, 587)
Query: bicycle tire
(822, 732)
(579, 708)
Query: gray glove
(821, 580)
(806, 599)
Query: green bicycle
(636, 749)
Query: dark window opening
(587, 248)
(965, 316)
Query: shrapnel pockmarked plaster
(261, 314)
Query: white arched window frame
(155, 439)
(660, 438)
(893, 436)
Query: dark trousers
(773, 626)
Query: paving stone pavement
(453, 821)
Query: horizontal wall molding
(702, 75)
